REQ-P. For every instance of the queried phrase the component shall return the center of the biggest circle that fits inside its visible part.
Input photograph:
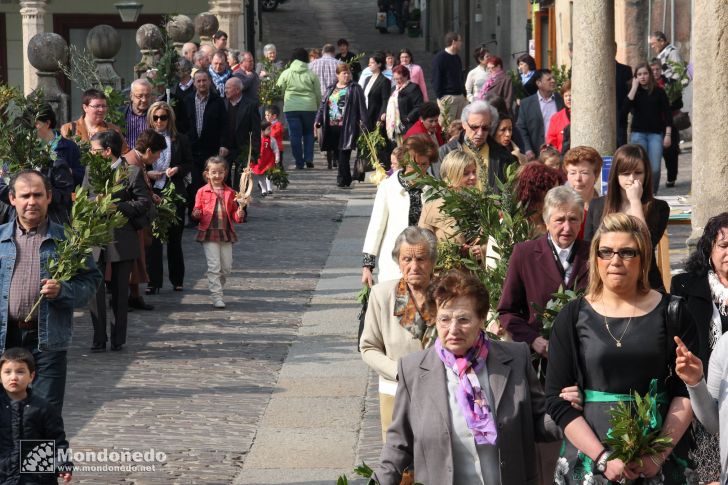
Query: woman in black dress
(616, 340)
(629, 190)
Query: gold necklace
(618, 341)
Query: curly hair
(584, 154)
(699, 262)
(457, 284)
(422, 145)
(534, 180)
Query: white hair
(562, 196)
(141, 82)
(480, 107)
(269, 48)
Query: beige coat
(384, 341)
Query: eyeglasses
(160, 117)
(483, 128)
(97, 106)
(96, 150)
(446, 321)
(608, 253)
(142, 96)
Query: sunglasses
(160, 117)
(608, 253)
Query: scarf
(489, 84)
(219, 80)
(410, 318)
(415, 199)
(393, 119)
(720, 296)
(470, 396)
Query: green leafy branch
(167, 213)
(278, 176)
(269, 92)
(362, 470)
(674, 87)
(518, 89)
(368, 145)
(547, 315)
(631, 435)
(101, 175)
(93, 224)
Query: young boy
(269, 157)
(276, 128)
(26, 417)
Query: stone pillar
(206, 24)
(45, 51)
(229, 15)
(103, 42)
(150, 41)
(631, 31)
(593, 116)
(710, 134)
(32, 13)
(180, 29)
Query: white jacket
(390, 216)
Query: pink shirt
(418, 77)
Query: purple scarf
(470, 396)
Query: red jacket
(267, 157)
(276, 131)
(555, 135)
(205, 201)
(419, 128)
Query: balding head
(188, 50)
(140, 95)
(233, 89)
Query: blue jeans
(300, 125)
(652, 142)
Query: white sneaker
(219, 304)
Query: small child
(272, 113)
(396, 160)
(550, 157)
(28, 417)
(269, 157)
(454, 130)
(217, 209)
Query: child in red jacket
(217, 210)
(276, 128)
(269, 157)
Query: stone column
(631, 31)
(180, 29)
(32, 13)
(103, 42)
(45, 51)
(710, 132)
(229, 15)
(593, 116)
(206, 24)
(150, 41)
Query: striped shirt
(325, 69)
(200, 104)
(25, 282)
(135, 124)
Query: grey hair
(562, 196)
(480, 107)
(414, 235)
(199, 55)
(184, 65)
(269, 47)
(142, 81)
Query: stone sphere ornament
(180, 29)
(103, 41)
(46, 50)
(149, 37)
(206, 24)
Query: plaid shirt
(135, 124)
(200, 104)
(25, 282)
(325, 69)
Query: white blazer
(390, 216)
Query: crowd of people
(521, 403)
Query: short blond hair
(620, 222)
(454, 165)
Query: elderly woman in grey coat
(398, 321)
(468, 409)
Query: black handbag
(681, 120)
(361, 167)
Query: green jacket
(301, 87)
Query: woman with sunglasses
(629, 190)
(172, 167)
(616, 340)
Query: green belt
(591, 395)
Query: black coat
(134, 203)
(355, 111)
(181, 116)
(696, 292)
(246, 129)
(214, 127)
(181, 157)
(30, 419)
(377, 99)
(409, 100)
(530, 122)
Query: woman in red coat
(558, 135)
(427, 123)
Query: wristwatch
(601, 463)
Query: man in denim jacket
(26, 245)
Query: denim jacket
(55, 317)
